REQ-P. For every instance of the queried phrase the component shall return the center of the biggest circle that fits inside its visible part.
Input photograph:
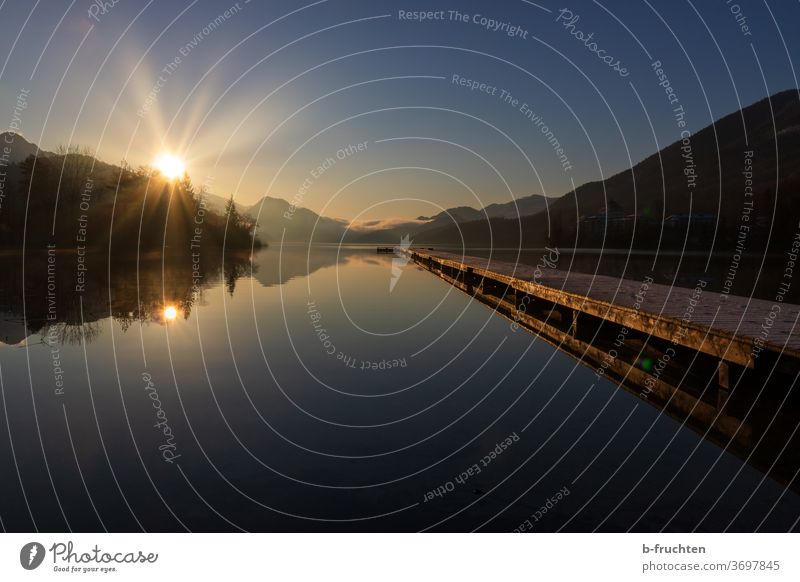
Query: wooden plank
(727, 327)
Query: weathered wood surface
(728, 327)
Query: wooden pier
(702, 359)
(733, 329)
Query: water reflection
(61, 297)
(752, 412)
(302, 391)
(291, 260)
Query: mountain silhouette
(652, 204)
(19, 148)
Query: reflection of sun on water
(170, 313)
(170, 166)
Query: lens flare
(170, 313)
(170, 166)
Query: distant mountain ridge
(519, 207)
(19, 148)
(644, 206)
(655, 189)
(277, 220)
(303, 225)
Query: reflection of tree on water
(128, 290)
(70, 333)
(234, 270)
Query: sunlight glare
(170, 166)
(170, 313)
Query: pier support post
(724, 375)
(723, 384)
(573, 328)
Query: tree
(232, 213)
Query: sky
(363, 110)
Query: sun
(170, 313)
(170, 166)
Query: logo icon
(400, 260)
(31, 555)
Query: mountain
(272, 221)
(689, 194)
(427, 227)
(278, 220)
(19, 147)
(456, 214)
(697, 186)
(519, 207)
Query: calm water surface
(308, 396)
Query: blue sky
(260, 100)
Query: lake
(328, 389)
